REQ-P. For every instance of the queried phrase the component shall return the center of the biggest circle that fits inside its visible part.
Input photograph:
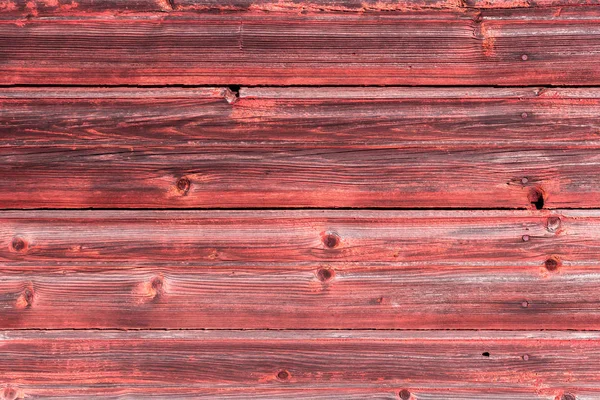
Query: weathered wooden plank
(329, 147)
(221, 295)
(514, 47)
(366, 6)
(449, 237)
(34, 8)
(385, 365)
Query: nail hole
(526, 357)
(525, 238)
(485, 354)
(524, 180)
(283, 375)
(404, 394)
(536, 198)
(552, 264)
(524, 57)
(18, 244)
(553, 224)
(525, 304)
(331, 240)
(183, 185)
(568, 396)
(325, 274)
(524, 115)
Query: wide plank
(498, 47)
(307, 364)
(227, 295)
(299, 147)
(449, 237)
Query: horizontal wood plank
(300, 269)
(35, 8)
(500, 47)
(359, 364)
(292, 147)
(312, 296)
(451, 237)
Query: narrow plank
(223, 295)
(502, 47)
(451, 237)
(326, 147)
(383, 364)
(35, 8)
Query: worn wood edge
(119, 392)
(70, 7)
(285, 335)
(111, 93)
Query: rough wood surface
(500, 47)
(35, 8)
(267, 269)
(382, 365)
(449, 237)
(293, 147)
(374, 295)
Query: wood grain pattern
(35, 8)
(502, 47)
(267, 269)
(430, 365)
(292, 147)
(297, 296)
(454, 237)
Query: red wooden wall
(289, 199)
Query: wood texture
(381, 365)
(514, 47)
(300, 269)
(35, 8)
(293, 147)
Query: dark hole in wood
(485, 354)
(235, 89)
(552, 264)
(568, 396)
(536, 198)
(404, 394)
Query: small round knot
(524, 115)
(568, 396)
(9, 393)
(157, 287)
(28, 296)
(331, 240)
(18, 244)
(552, 264)
(283, 375)
(553, 224)
(524, 57)
(325, 274)
(404, 394)
(183, 185)
(525, 238)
